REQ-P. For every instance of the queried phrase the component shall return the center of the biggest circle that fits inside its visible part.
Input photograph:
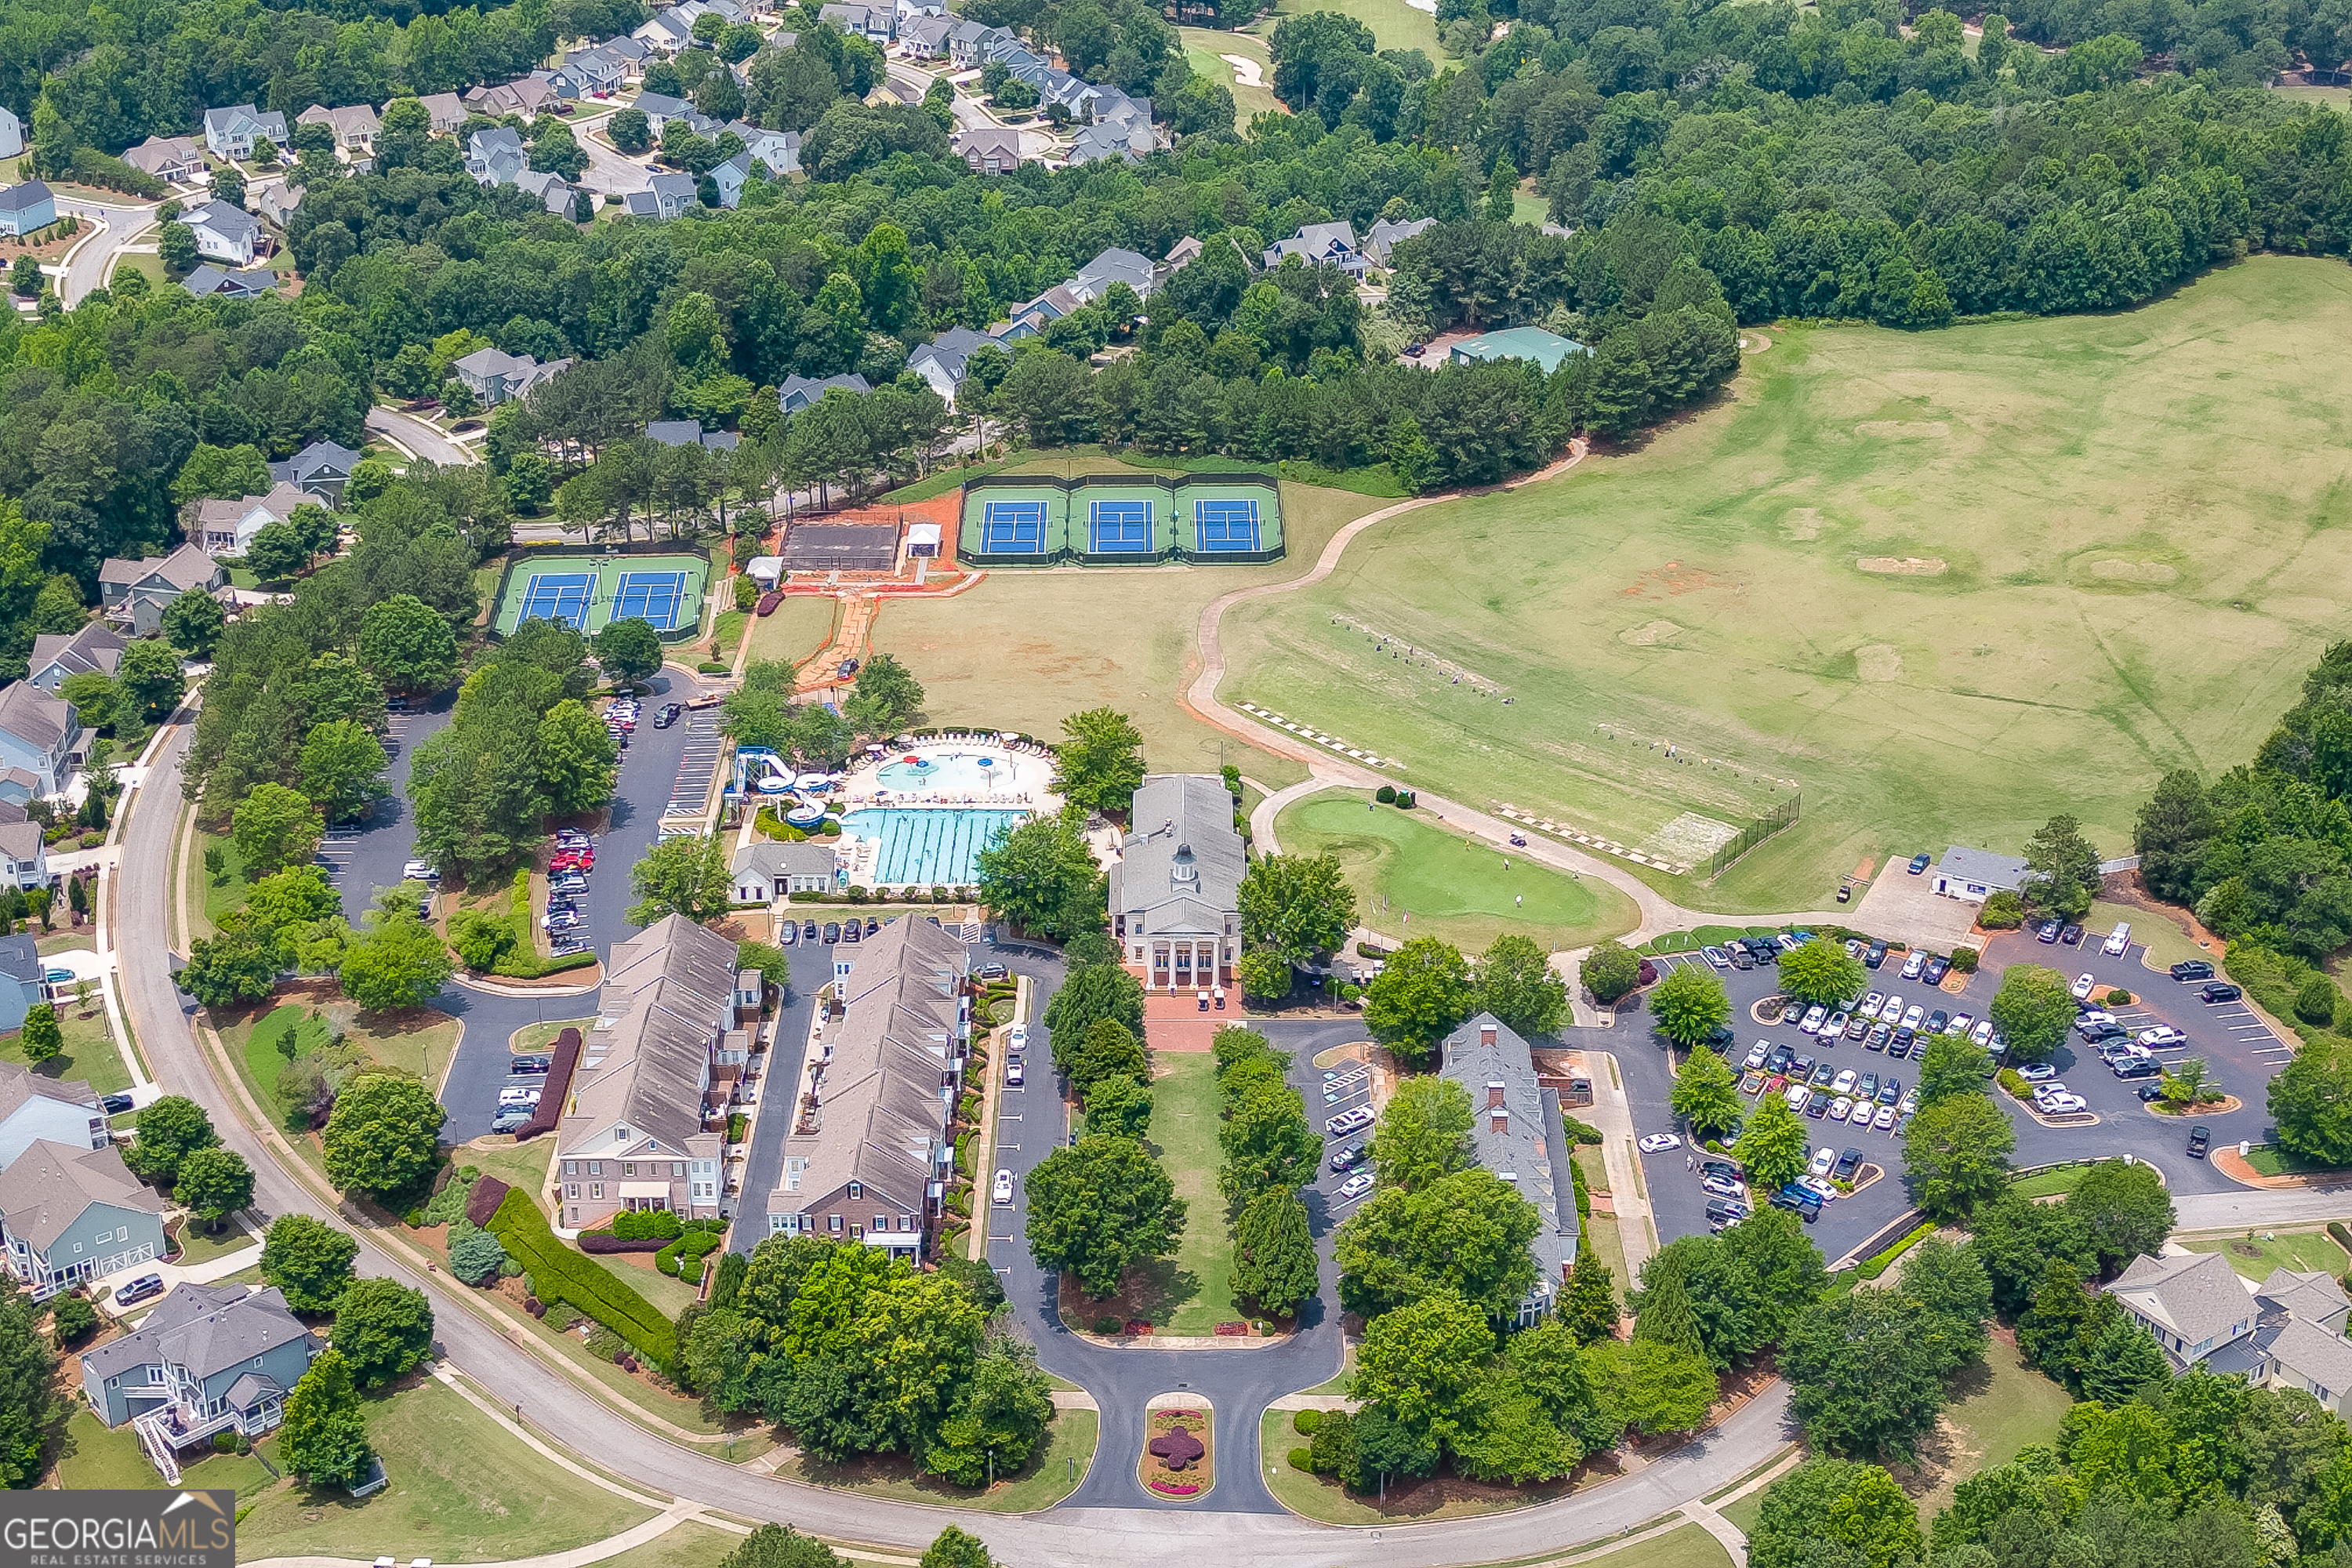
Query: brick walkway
(1177, 1022)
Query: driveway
(812, 966)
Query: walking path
(1613, 1113)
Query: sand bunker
(2152, 572)
(1648, 636)
(1903, 430)
(1245, 69)
(1877, 662)
(1906, 566)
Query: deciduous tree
(170, 1129)
(343, 768)
(887, 699)
(1867, 1379)
(1951, 1065)
(1107, 1050)
(1099, 762)
(233, 967)
(1688, 1006)
(308, 1261)
(628, 650)
(1418, 1363)
(1706, 1095)
(396, 961)
(408, 645)
(2032, 1009)
(1956, 1154)
(1773, 1146)
(1420, 996)
(1423, 1133)
(2062, 870)
(1042, 877)
(323, 1439)
(382, 1328)
(579, 763)
(1296, 907)
(1859, 1507)
(1097, 1207)
(1466, 1233)
(383, 1134)
(274, 827)
(1821, 971)
(213, 1183)
(1516, 984)
(42, 1039)
(2125, 1210)
(148, 683)
(684, 875)
(1611, 970)
(31, 1409)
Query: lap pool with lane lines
(938, 846)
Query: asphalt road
(812, 966)
(124, 226)
(419, 437)
(609, 173)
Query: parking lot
(1344, 1101)
(697, 762)
(2242, 1051)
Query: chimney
(1486, 1034)
(1493, 1094)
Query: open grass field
(800, 627)
(1402, 862)
(2254, 1256)
(1053, 1474)
(1394, 23)
(1192, 1292)
(1203, 48)
(1023, 650)
(461, 1489)
(419, 1043)
(96, 1458)
(90, 1053)
(1949, 583)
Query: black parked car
(2200, 1140)
(1722, 1211)
(2218, 991)
(2150, 1091)
(831, 930)
(2193, 969)
(1847, 1163)
(2072, 936)
(1938, 967)
(115, 1104)
(1722, 1168)
(2141, 1066)
(1740, 957)
(1876, 956)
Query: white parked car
(2082, 986)
(1961, 1022)
(1814, 1015)
(1347, 1121)
(1016, 1074)
(1891, 1010)
(1843, 1084)
(1017, 1041)
(1799, 1097)
(1841, 1108)
(1758, 1054)
(1913, 965)
(1715, 956)
(1824, 1161)
(1834, 1026)
(1913, 1014)
(1983, 1032)
(2162, 1035)
(2064, 1104)
(519, 1096)
(1870, 1003)
(2118, 942)
(2090, 1015)
(1723, 1187)
(1357, 1185)
(2037, 1072)
(1659, 1143)
(1819, 1186)
(1885, 1117)
(1002, 1191)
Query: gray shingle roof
(669, 988)
(2197, 1297)
(223, 219)
(207, 1329)
(1182, 849)
(182, 569)
(1982, 867)
(20, 1087)
(1498, 1074)
(93, 650)
(33, 716)
(2313, 1352)
(50, 1186)
(23, 197)
(771, 859)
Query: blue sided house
(209, 1358)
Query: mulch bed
(1179, 1458)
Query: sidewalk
(1637, 1231)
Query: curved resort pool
(934, 847)
(946, 772)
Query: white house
(1975, 875)
(765, 872)
(779, 149)
(1316, 243)
(228, 526)
(231, 133)
(225, 233)
(1175, 890)
(12, 133)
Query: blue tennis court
(1226, 524)
(1013, 527)
(652, 596)
(1119, 527)
(559, 596)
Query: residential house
(95, 649)
(666, 196)
(668, 32)
(635, 1130)
(21, 969)
(228, 526)
(596, 68)
(659, 109)
(70, 1214)
(1532, 344)
(2302, 1353)
(729, 178)
(556, 194)
(867, 1155)
(1028, 320)
(1175, 890)
(225, 233)
(2193, 1304)
(277, 201)
(987, 149)
(1318, 243)
(23, 863)
(318, 470)
(41, 734)
(765, 872)
(175, 160)
(1183, 253)
(33, 1109)
(1975, 875)
(355, 124)
(494, 376)
(1113, 266)
(529, 96)
(876, 23)
(446, 109)
(779, 149)
(209, 1358)
(495, 156)
(926, 38)
(968, 43)
(134, 593)
(12, 134)
(27, 208)
(632, 52)
(941, 362)
(231, 133)
(214, 282)
(798, 391)
(1384, 237)
(1520, 1139)
(1131, 141)
(691, 432)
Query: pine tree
(1277, 1263)
(1663, 1314)
(2125, 1360)
(1589, 1307)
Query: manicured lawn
(1602, 1227)
(2255, 1256)
(2166, 943)
(198, 1244)
(1706, 588)
(683, 1545)
(517, 1165)
(1744, 1512)
(2269, 1160)
(97, 1458)
(1315, 1498)
(419, 1043)
(668, 1293)
(1402, 862)
(796, 630)
(461, 1490)
(1203, 47)
(2050, 1184)
(541, 1037)
(216, 895)
(2004, 1407)
(1023, 650)
(65, 941)
(1052, 1476)
(1191, 1293)
(1394, 23)
(729, 628)
(89, 1053)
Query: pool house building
(1175, 890)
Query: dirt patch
(1802, 523)
(1904, 429)
(1650, 634)
(1902, 566)
(1877, 662)
(2152, 573)
(1673, 579)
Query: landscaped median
(1179, 1460)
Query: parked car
(2100, 1034)
(1936, 1022)
(1357, 1185)
(1982, 1034)
(536, 1062)
(1900, 1045)
(1892, 1008)
(1914, 1015)
(1824, 1161)
(1722, 1168)
(1847, 1163)
(115, 1104)
(1722, 1211)
(2080, 989)
(1799, 1097)
(418, 872)
(2119, 941)
(1890, 1090)
(1878, 1038)
(2148, 1092)
(519, 1095)
(988, 972)
(1015, 1073)
(1741, 958)
(1713, 955)
(2047, 932)
(1813, 1019)
(1758, 1054)
(2200, 1139)
(1844, 1083)
(2037, 1072)
(832, 931)
(2162, 1035)
(1874, 955)
(668, 715)
(511, 1120)
(1001, 1190)
(139, 1290)
(1804, 1203)
(1918, 863)
(1857, 1027)
(1349, 1122)
(1841, 1108)
(1659, 1143)
(2218, 991)
(1819, 1075)
(1016, 1039)
(1938, 967)
(2139, 1067)
(1780, 1059)
(1913, 965)
(1868, 1088)
(1348, 1158)
(808, 930)
(2193, 969)
(789, 935)
(1870, 1003)
(1834, 1025)
(1722, 1187)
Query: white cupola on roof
(1183, 871)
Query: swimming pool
(947, 773)
(936, 848)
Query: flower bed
(1177, 1455)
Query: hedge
(484, 1199)
(1581, 1131)
(556, 1090)
(1583, 1196)
(516, 964)
(1880, 1263)
(559, 1274)
(1304, 1422)
(683, 1258)
(604, 1241)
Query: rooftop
(49, 1185)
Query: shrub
(448, 1204)
(1404, 800)
(2119, 998)
(737, 1125)
(1964, 960)
(603, 1344)
(224, 1442)
(71, 1319)
(1304, 1422)
(2341, 1237)
(560, 1274)
(2015, 1081)
(636, 1225)
(858, 895)
(1581, 1131)
(2003, 911)
(600, 1241)
(2314, 1000)
(1303, 1459)
(1583, 1195)
(474, 1254)
(1106, 1325)
(1879, 1263)
(1385, 795)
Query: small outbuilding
(1546, 349)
